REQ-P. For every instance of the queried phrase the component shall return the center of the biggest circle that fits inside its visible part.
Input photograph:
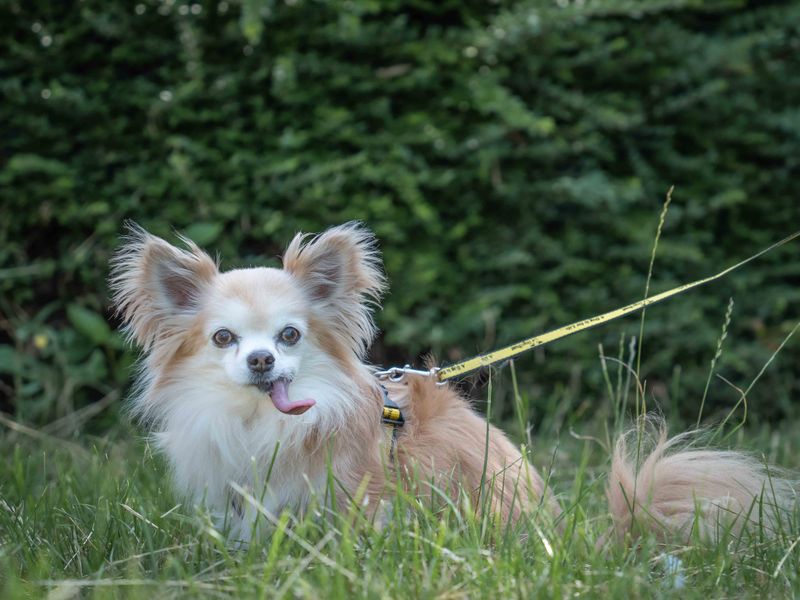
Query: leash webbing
(513, 350)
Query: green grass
(95, 517)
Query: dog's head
(251, 331)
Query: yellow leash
(513, 350)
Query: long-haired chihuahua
(256, 379)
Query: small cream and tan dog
(255, 378)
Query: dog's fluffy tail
(675, 490)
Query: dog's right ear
(157, 287)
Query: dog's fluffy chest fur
(215, 435)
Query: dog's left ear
(341, 273)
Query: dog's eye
(222, 338)
(290, 336)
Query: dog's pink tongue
(280, 398)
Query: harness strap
(392, 419)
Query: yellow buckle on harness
(392, 419)
(392, 415)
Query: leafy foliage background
(511, 156)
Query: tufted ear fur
(340, 271)
(157, 287)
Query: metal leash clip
(398, 373)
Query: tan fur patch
(191, 343)
(331, 343)
(445, 441)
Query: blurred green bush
(511, 156)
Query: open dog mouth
(278, 390)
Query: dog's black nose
(260, 361)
